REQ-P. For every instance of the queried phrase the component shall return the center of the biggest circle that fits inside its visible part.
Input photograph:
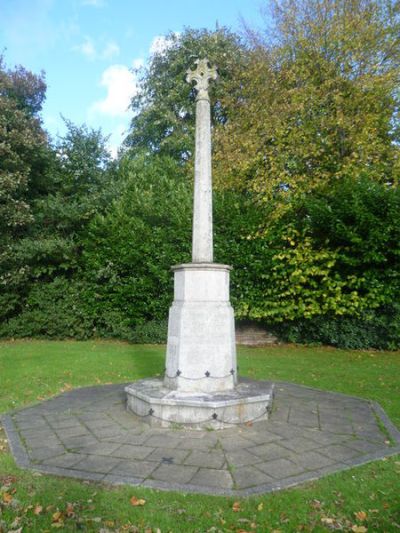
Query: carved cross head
(202, 74)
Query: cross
(201, 76)
(202, 239)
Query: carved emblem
(201, 75)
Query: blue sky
(88, 47)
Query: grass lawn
(363, 499)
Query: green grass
(34, 370)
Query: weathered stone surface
(241, 460)
(202, 205)
(179, 473)
(201, 349)
(212, 459)
(207, 477)
(252, 334)
(248, 402)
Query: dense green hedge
(327, 272)
(375, 329)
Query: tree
(22, 147)
(317, 101)
(163, 121)
(42, 264)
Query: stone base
(201, 349)
(249, 401)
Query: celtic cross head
(201, 75)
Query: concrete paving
(88, 434)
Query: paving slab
(211, 477)
(213, 459)
(88, 434)
(249, 476)
(280, 468)
(179, 473)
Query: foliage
(78, 181)
(22, 147)
(54, 310)
(379, 328)
(305, 205)
(316, 102)
(152, 332)
(163, 121)
(129, 250)
(339, 255)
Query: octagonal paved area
(88, 434)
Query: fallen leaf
(7, 497)
(38, 509)
(56, 516)
(69, 511)
(327, 520)
(16, 522)
(316, 504)
(9, 480)
(236, 507)
(260, 506)
(136, 502)
(361, 515)
(359, 529)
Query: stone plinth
(200, 388)
(201, 350)
(249, 401)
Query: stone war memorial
(200, 428)
(200, 387)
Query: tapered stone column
(202, 249)
(200, 387)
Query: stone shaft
(202, 245)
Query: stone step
(254, 335)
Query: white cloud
(111, 49)
(121, 86)
(160, 44)
(94, 3)
(137, 63)
(116, 138)
(89, 49)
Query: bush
(55, 310)
(152, 332)
(379, 329)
